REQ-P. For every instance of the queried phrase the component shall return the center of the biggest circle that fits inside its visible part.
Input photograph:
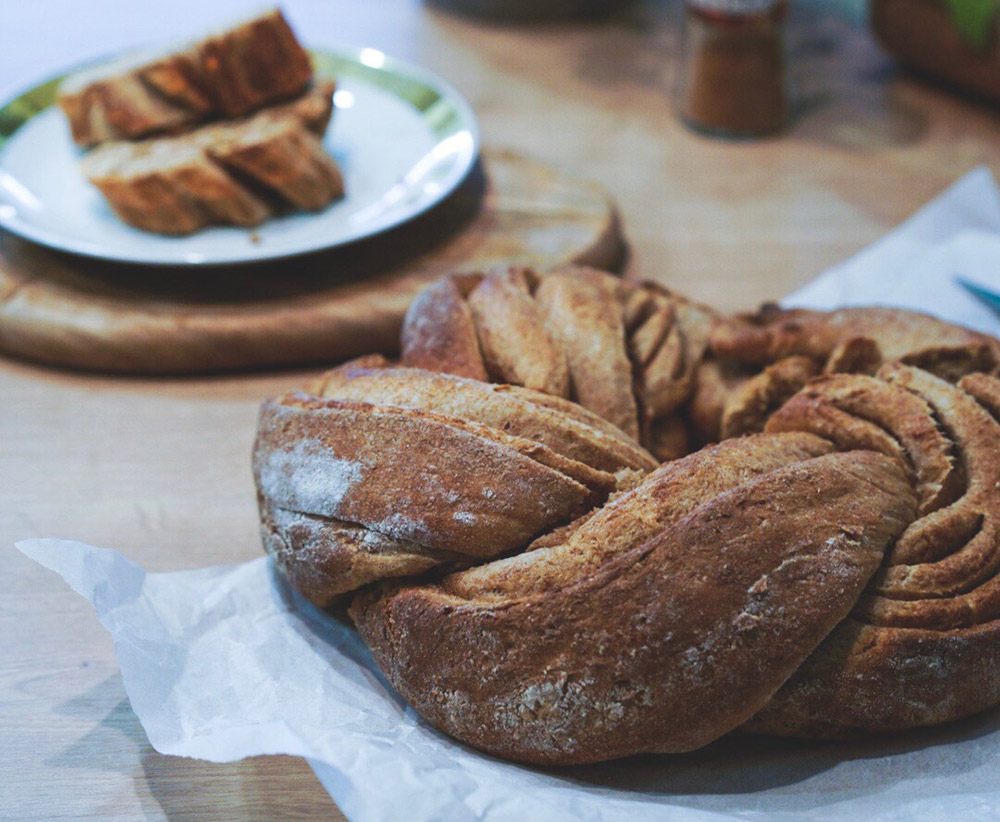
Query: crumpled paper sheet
(923, 263)
(228, 662)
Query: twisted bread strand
(670, 636)
(733, 397)
(626, 352)
(384, 471)
(922, 645)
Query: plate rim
(389, 66)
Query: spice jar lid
(735, 7)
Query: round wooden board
(69, 311)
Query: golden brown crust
(667, 379)
(838, 573)
(351, 457)
(773, 333)
(747, 408)
(519, 414)
(324, 558)
(171, 189)
(669, 438)
(439, 333)
(854, 411)
(923, 641)
(849, 340)
(715, 381)
(283, 158)
(986, 389)
(864, 679)
(625, 352)
(583, 315)
(663, 498)
(251, 65)
(543, 678)
(120, 108)
(481, 494)
(516, 347)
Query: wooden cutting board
(70, 311)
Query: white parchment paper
(224, 663)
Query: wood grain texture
(160, 468)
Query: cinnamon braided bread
(534, 585)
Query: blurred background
(598, 95)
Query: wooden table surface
(159, 469)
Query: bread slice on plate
(284, 157)
(224, 75)
(234, 173)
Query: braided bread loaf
(535, 586)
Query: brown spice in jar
(735, 74)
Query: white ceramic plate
(403, 138)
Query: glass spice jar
(734, 73)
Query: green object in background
(974, 20)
